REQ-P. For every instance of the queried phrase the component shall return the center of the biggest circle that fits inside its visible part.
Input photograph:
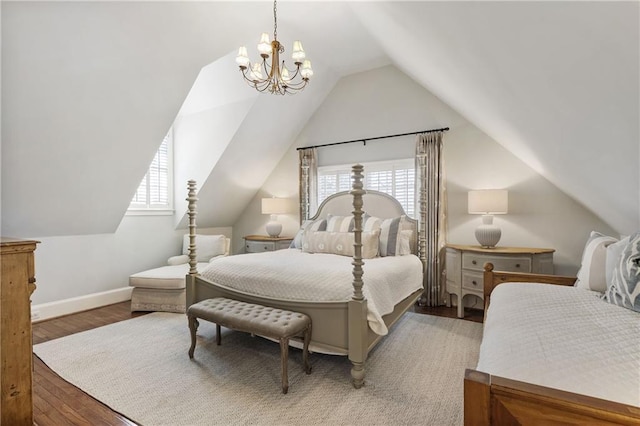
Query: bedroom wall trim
(45, 311)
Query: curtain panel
(431, 197)
(308, 178)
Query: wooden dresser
(17, 283)
(465, 266)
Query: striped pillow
(390, 241)
(347, 223)
(592, 275)
(311, 225)
(339, 223)
(624, 289)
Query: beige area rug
(141, 369)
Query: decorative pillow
(311, 225)
(340, 223)
(207, 246)
(339, 243)
(614, 251)
(389, 236)
(624, 289)
(592, 275)
(405, 242)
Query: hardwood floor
(57, 402)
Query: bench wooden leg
(193, 327)
(305, 351)
(218, 335)
(284, 355)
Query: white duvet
(564, 338)
(294, 275)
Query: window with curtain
(154, 192)
(396, 178)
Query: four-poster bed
(344, 326)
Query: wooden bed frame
(339, 328)
(493, 400)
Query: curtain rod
(364, 140)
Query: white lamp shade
(488, 201)
(275, 205)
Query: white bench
(256, 319)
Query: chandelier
(274, 77)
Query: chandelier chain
(275, 21)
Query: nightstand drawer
(473, 281)
(476, 262)
(258, 246)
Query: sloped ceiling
(90, 89)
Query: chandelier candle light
(488, 202)
(279, 79)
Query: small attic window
(153, 196)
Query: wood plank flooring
(58, 403)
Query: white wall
(385, 101)
(76, 266)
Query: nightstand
(465, 267)
(261, 243)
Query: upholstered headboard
(375, 203)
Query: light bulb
(285, 75)
(256, 73)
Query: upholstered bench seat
(163, 288)
(256, 319)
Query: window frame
(372, 166)
(149, 209)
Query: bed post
(358, 304)
(193, 270)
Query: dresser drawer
(473, 281)
(476, 262)
(258, 246)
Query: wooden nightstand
(260, 243)
(465, 266)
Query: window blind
(154, 192)
(396, 178)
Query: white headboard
(375, 203)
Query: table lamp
(488, 202)
(274, 207)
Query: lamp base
(488, 234)
(274, 227)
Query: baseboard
(45, 311)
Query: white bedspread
(563, 338)
(294, 275)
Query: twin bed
(351, 307)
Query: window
(154, 193)
(396, 178)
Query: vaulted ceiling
(89, 89)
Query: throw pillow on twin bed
(592, 273)
(624, 288)
(340, 243)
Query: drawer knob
(474, 262)
(474, 282)
(517, 265)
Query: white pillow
(340, 223)
(592, 273)
(339, 243)
(207, 246)
(405, 242)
